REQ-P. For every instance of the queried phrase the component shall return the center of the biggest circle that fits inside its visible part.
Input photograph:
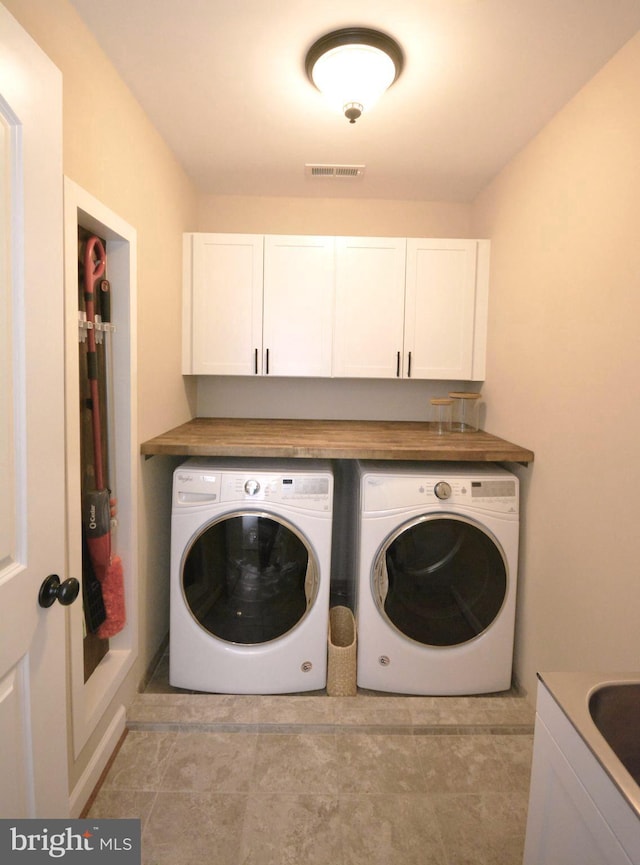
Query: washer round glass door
(249, 578)
(440, 580)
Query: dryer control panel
(495, 489)
(391, 492)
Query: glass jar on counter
(465, 412)
(441, 414)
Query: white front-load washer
(250, 573)
(437, 577)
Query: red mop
(97, 504)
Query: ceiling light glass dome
(353, 68)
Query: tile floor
(317, 780)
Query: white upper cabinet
(354, 307)
(410, 308)
(222, 329)
(298, 305)
(446, 309)
(369, 317)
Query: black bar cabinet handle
(409, 367)
(398, 366)
(267, 362)
(255, 362)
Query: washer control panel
(311, 492)
(205, 483)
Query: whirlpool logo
(33, 841)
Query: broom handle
(105, 308)
(93, 270)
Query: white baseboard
(91, 775)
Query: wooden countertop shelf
(331, 439)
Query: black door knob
(53, 590)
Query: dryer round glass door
(249, 578)
(440, 581)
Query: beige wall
(328, 398)
(357, 217)
(113, 152)
(563, 371)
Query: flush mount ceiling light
(353, 68)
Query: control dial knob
(252, 487)
(442, 490)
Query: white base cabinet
(353, 307)
(576, 814)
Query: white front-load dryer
(437, 577)
(250, 572)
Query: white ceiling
(224, 83)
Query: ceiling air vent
(344, 171)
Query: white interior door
(33, 733)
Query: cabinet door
(369, 316)
(564, 825)
(440, 308)
(298, 305)
(225, 309)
